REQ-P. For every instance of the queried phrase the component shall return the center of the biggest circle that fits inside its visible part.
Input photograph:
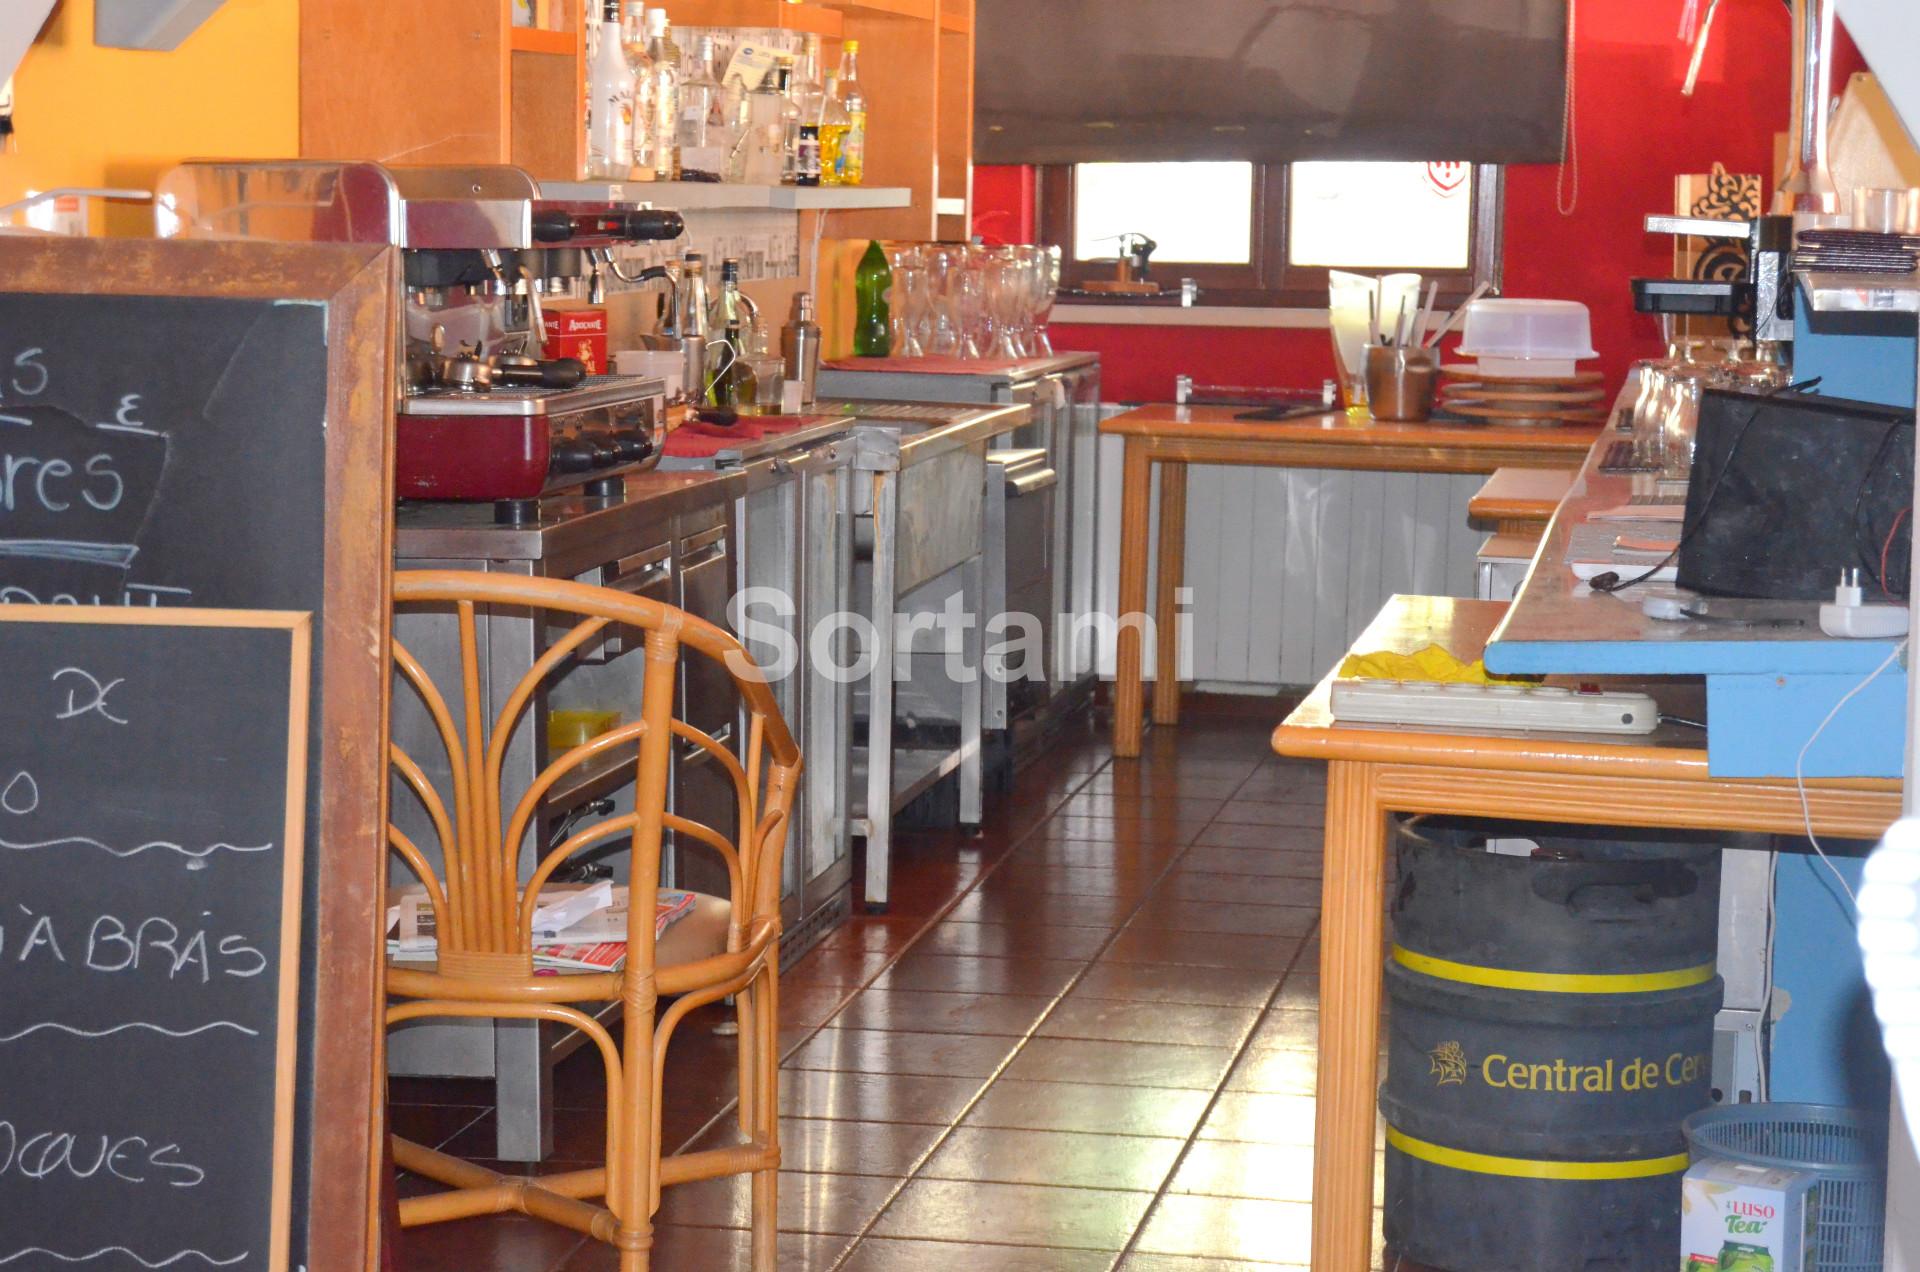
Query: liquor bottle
(765, 138)
(853, 147)
(610, 92)
(703, 126)
(873, 318)
(690, 325)
(835, 123)
(633, 42)
(664, 97)
(809, 97)
(789, 124)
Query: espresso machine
(480, 416)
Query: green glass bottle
(873, 320)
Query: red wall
(1635, 133)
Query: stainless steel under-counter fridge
(1064, 394)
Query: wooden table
(1176, 436)
(1375, 771)
(1521, 500)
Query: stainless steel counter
(572, 528)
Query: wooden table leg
(1173, 566)
(1351, 934)
(1136, 496)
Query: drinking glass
(909, 300)
(1046, 289)
(945, 329)
(1006, 303)
(971, 303)
(1680, 422)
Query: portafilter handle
(633, 225)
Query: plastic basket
(1845, 1148)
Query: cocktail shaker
(800, 342)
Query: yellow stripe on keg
(1552, 982)
(1528, 1168)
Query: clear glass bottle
(789, 136)
(735, 93)
(835, 123)
(853, 147)
(663, 99)
(703, 127)
(610, 94)
(633, 42)
(690, 325)
(809, 99)
(730, 304)
(763, 161)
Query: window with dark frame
(1269, 276)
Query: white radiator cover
(1288, 566)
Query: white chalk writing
(132, 1159)
(104, 1251)
(97, 704)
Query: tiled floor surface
(1084, 1042)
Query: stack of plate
(1575, 397)
(1856, 252)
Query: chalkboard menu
(185, 427)
(152, 775)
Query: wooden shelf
(536, 40)
(697, 196)
(497, 93)
(924, 10)
(811, 18)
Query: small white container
(1528, 338)
(663, 364)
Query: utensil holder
(1400, 382)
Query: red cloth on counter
(696, 439)
(686, 443)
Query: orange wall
(85, 115)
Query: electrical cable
(1682, 721)
(1864, 546)
(1887, 548)
(1763, 1087)
(1800, 766)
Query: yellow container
(575, 727)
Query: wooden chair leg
(747, 1014)
(763, 1072)
(632, 1207)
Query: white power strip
(1545, 708)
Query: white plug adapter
(1849, 617)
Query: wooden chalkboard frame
(299, 629)
(359, 286)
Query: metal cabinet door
(1079, 507)
(826, 727)
(702, 789)
(766, 615)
